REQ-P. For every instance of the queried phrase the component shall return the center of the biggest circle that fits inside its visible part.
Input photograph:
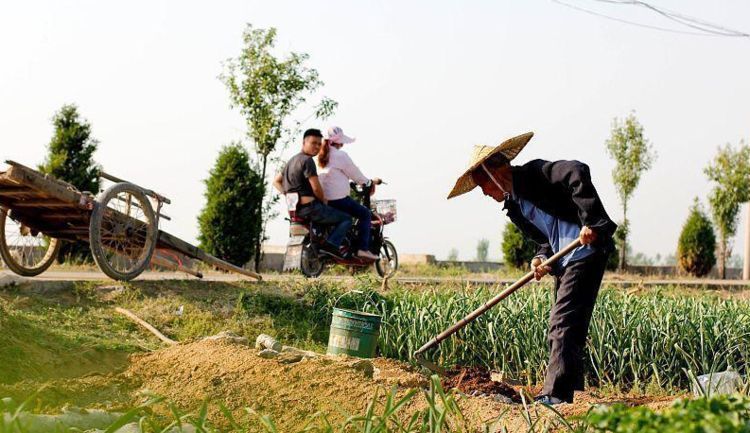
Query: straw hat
(509, 149)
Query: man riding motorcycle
(300, 177)
(335, 170)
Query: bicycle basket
(386, 209)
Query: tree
(267, 89)
(670, 260)
(453, 254)
(517, 249)
(483, 248)
(730, 172)
(735, 261)
(697, 243)
(70, 158)
(641, 259)
(229, 221)
(633, 155)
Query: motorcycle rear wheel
(387, 265)
(311, 263)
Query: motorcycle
(305, 237)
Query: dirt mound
(478, 381)
(234, 375)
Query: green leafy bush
(517, 249)
(697, 243)
(228, 223)
(721, 414)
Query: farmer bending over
(553, 203)
(300, 176)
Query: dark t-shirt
(296, 174)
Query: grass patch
(62, 336)
(633, 342)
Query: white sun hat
(336, 135)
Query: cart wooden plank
(42, 203)
(15, 191)
(7, 182)
(173, 242)
(63, 216)
(49, 186)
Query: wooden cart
(121, 225)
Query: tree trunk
(722, 264)
(624, 247)
(261, 221)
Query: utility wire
(620, 20)
(705, 28)
(683, 19)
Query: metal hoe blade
(419, 357)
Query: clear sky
(419, 83)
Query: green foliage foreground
(721, 414)
(718, 414)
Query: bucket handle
(344, 294)
(359, 292)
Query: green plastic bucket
(353, 333)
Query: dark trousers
(363, 215)
(576, 289)
(319, 213)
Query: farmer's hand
(587, 235)
(377, 180)
(539, 270)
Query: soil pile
(233, 374)
(478, 381)
(236, 376)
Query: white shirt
(334, 178)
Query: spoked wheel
(387, 265)
(311, 264)
(123, 231)
(25, 251)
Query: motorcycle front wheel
(387, 265)
(311, 263)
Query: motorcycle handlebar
(361, 188)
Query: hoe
(419, 354)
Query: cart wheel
(24, 251)
(311, 264)
(387, 265)
(123, 231)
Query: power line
(705, 28)
(683, 19)
(620, 20)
